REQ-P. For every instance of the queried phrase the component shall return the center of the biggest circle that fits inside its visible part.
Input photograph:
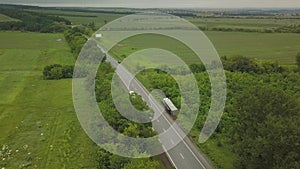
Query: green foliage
(33, 21)
(247, 65)
(138, 102)
(141, 164)
(197, 68)
(76, 38)
(57, 71)
(268, 130)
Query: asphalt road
(185, 155)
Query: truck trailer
(169, 106)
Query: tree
(102, 159)
(132, 130)
(57, 71)
(268, 130)
(141, 164)
(118, 161)
(241, 64)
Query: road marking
(164, 130)
(183, 141)
(169, 156)
(172, 141)
(159, 140)
(181, 155)
(157, 120)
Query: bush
(57, 71)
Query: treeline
(243, 64)
(76, 37)
(32, 21)
(293, 28)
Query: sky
(163, 3)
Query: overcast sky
(164, 3)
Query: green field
(261, 46)
(281, 47)
(38, 122)
(248, 23)
(4, 18)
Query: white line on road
(172, 141)
(183, 141)
(169, 156)
(181, 155)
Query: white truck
(169, 106)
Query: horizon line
(49, 5)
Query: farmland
(38, 123)
(261, 46)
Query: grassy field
(38, 122)
(261, 46)
(4, 18)
(281, 47)
(248, 23)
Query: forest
(32, 21)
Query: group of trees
(57, 71)
(76, 38)
(267, 134)
(283, 29)
(106, 160)
(261, 119)
(243, 64)
(33, 21)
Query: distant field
(83, 17)
(38, 121)
(262, 46)
(250, 23)
(281, 47)
(4, 18)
